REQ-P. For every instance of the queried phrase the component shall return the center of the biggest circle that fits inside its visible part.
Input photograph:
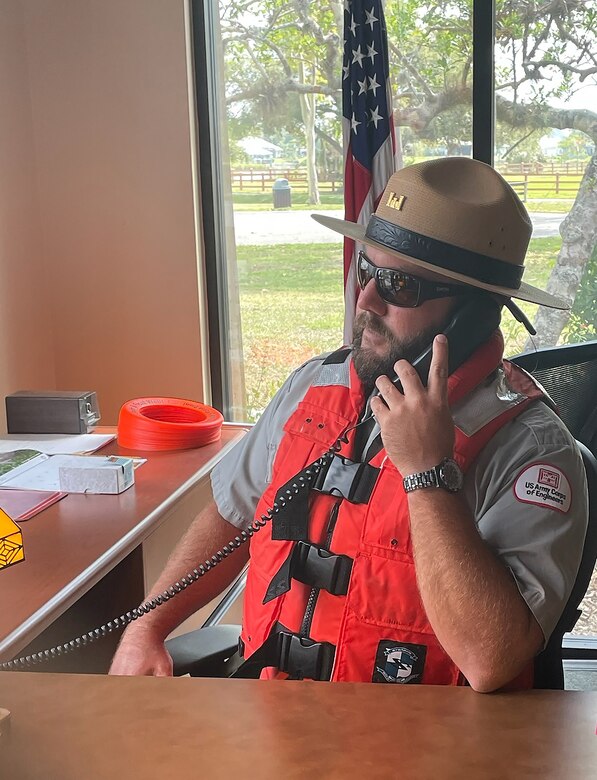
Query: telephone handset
(472, 324)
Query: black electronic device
(472, 324)
(51, 411)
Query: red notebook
(22, 504)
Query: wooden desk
(83, 557)
(95, 727)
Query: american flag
(368, 127)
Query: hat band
(447, 256)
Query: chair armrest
(202, 653)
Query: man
(442, 551)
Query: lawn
(262, 201)
(292, 308)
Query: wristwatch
(446, 475)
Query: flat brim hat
(457, 217)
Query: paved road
(297, 227)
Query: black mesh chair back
(569, 374)
(548, 664)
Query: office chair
(210, 651)
(569, 375)
(548, 664)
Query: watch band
(446, 475)
(424, 479)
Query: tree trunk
(579, 236)
(307, 102)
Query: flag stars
(346, 70)
(353, 26)
(357, 55)
(362, 85)
(371, 19)
(370, 52)
(373, 85)
(354, 123)
(375, 116)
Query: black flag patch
(399, 662)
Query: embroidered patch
(400, 663)
(544, 485)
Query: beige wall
(101, 113)
(26, 344)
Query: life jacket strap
(297, 656)
(315, 566)
(347, 479)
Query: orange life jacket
(379, 628)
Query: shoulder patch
(544, 485)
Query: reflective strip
(484, 404)
(334, 374)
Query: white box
(111, 474)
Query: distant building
(259, 150)
(550, 143)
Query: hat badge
(395, 201)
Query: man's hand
(417, 429)
(141, 652)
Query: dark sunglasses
(400, 289)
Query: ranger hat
(458, 217)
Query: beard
(369, 364)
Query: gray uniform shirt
(526, 490)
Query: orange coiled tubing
(167, 424)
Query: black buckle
(347, 479)
(301, 657)
(321, 568)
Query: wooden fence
(262, 181)
(572, 168)
(529, 184)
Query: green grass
(549, 206)
(292, 308)
(262, 201)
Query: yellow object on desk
(11, 541)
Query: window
(545, 145)
(276, 127)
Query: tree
(574, 146)
(545, 52)
(275, 50)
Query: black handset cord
(302, 482)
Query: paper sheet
(55, 443)
(20, 505)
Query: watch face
(451, 475)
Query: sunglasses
(400, 289)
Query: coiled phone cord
(302, 482)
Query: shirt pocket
(386, 530)
(308, 434)
(311, 422)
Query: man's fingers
(438, 370)
(411, 381)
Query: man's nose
(369, 299)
